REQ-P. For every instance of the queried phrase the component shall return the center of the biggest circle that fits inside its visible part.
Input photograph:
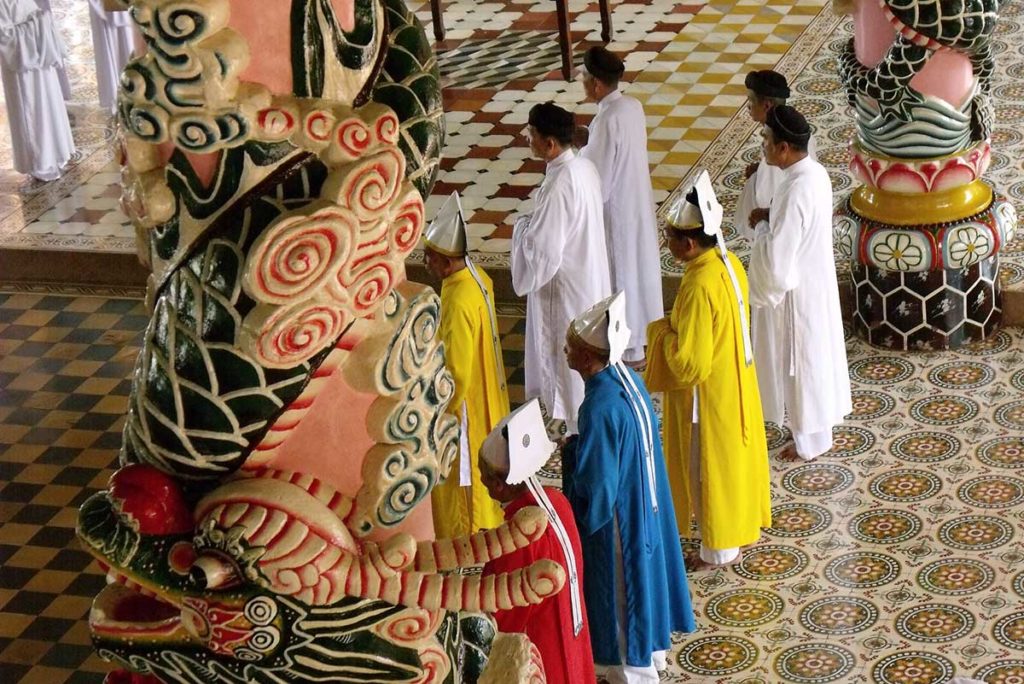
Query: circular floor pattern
(817, 479)
(1009, 631)
(717, 655)
(934, 623)
(956, 576)
(776, 435)
(1018, 584)
(818, 86)
(744, 608)
(799, 520)
(862, 570)
(1010, 273)
(814, 663)
(1011, 415)
(850, 441)
(839, 615)
(1003, 672)
(996, 344)
(868, 404)
(904, 485)
(771, 562)
(975, 533)
(961, 375)
(916, 667)
(884, 526)
(925, 447)
(881, 370)
(991, 491)
(1004, 452)
(944, 409)
(1017, 380)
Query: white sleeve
(773, 258)
(600, 151)
(537, 244)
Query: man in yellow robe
(469, 331)
(701, 358)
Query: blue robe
(605, 480)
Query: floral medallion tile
(839, 615)
(956, 576)
(814, 663)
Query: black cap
(603, 64)
(788, 125)
(767, 83)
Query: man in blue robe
(615, 479)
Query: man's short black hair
(552, 121)
(604, 65)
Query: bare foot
(694, 563)
(789, 454)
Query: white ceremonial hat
(683, 214)
(447, 232)
(603, 327)
(519, 442)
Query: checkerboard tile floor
(897, 558)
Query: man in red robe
(557, 626)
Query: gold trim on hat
(576, 339)
(433, 247)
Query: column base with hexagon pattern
(923, 232)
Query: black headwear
(603, 65)
(552, 121)
(767, 83)
(788, 125)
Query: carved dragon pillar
(924, 230)
(270, 521)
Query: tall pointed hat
(447, 232)
(700, 208)
(603, 327)
(521, 442)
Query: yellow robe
(701, 345)
(470, 358)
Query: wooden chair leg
(435, 13)
(606, 21)
(564, 38)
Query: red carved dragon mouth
(126, 608)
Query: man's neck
(556, 154)
(795, 159)
(606, 95)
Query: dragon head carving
(287, 417)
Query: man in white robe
(31, 51)
(559, 260)
(765, 89)
(792, 273)
(617, 144)
(113, 39)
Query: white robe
(800, 354)
(618, 148)
(759, 190)
(560, 263)
(62, 70)
(112, 39)
(30, 53)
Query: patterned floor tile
(898, 557)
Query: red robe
(567, 658)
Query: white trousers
(812, 444)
